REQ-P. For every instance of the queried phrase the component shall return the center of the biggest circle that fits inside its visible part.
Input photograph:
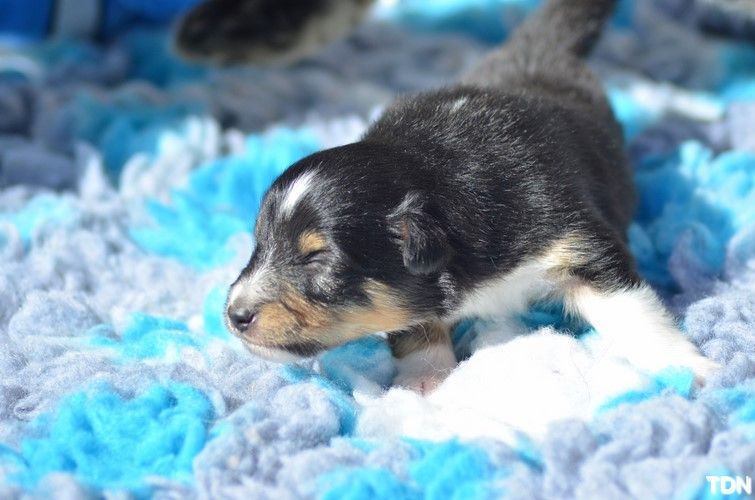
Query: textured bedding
(129, 183)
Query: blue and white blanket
(128, 187)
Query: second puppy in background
(473, 200)
(265, 31)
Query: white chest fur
(510, 293)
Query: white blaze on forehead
(295, 191)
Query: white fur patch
(249, 288)
(295, 192)
(638, 328)
(510, 293)
(518, 387)
(236, 292)
(506, 297)
(458, 104)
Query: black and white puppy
(469, 201)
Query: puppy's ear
(424, 243)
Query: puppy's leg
(424, 356)
(637, 327)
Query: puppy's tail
(562, 26)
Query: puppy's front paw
(424, 370)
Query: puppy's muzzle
(241, 318)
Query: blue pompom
(111, 441)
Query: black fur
(261, 31)
(453, 187)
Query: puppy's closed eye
(313, 247)
(317, 257)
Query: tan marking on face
(273, 320)
(289, 319)
(385, 312)
(308, 313)
(312, 241)
(296, 319)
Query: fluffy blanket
(128, 187)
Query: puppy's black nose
(241, 317)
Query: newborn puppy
(264, 31)
(469, 201)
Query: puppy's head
(344, 248)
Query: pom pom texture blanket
(129, 183)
